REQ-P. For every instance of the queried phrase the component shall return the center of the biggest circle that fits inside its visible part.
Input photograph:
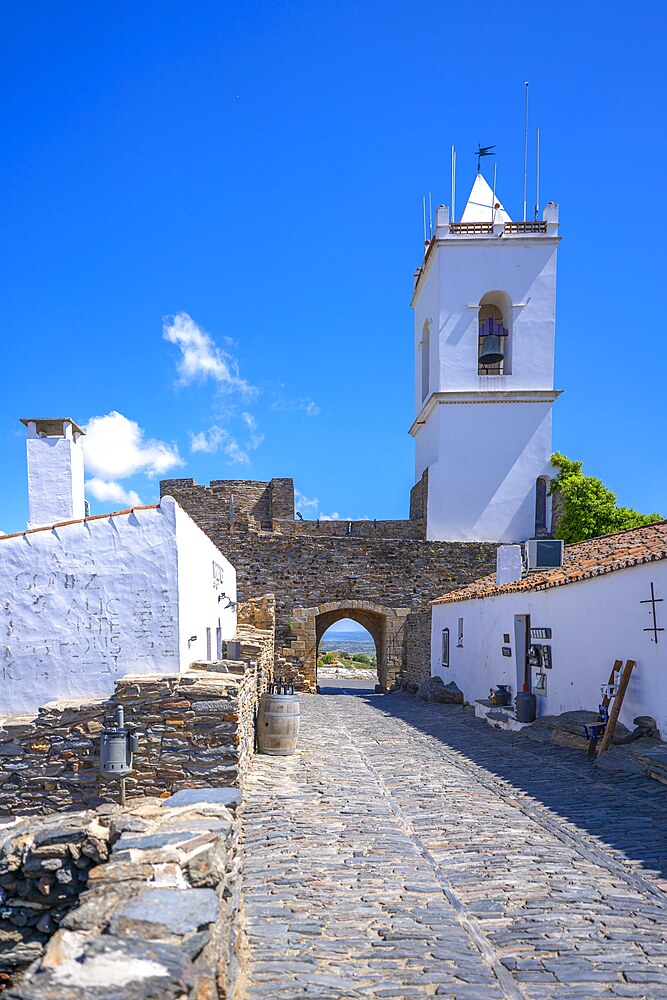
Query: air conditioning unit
(544, 553)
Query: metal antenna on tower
(453, 184)
(525, 155)
(483, 151)
(537, 173)
(430, 215)
(424, 216)
(493, 199)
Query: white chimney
(55, 471)
(509, 564)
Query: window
(540, 505)
(425, 346)
(445, 647)
(459, 641)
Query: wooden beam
(592, 744)
(605, 742)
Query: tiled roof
(80, 520)
(581, 561)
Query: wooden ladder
(616, 702)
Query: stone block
(173, 911)
(194, 796)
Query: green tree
(587, 508)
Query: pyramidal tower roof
(478, 208)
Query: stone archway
(386, 626)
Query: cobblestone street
(409, 850)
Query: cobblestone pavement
(409, 850)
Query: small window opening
(445, 647)
(425, 345)
(540, 505)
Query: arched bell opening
(494, 341)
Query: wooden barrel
(278, 723)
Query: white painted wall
(593, 622)
(525, 269)
(483, 458)
(482, 484)
(55, 478)
(203, 575)
(86, 603)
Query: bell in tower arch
(492, 350)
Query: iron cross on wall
(653, 600)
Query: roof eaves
(78, 520)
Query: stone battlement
(380, 573)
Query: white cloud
(112, 493)
(285, 404)
(114, 448)
(235, 452)
(304, 504)
(336, 517)
(218, 439)
(208, 441)
(256, 437)
(201, 358)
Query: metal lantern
(117, 746)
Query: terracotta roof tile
(581, 561)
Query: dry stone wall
(44, 866)
(355, 567)
(195, 730)
(159, 919)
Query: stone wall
(195, 730)
(385, 569)
(159, 919)
(43, 868)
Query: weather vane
(483, 151)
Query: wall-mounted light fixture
(230, 603)
(193, 638)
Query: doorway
(521, 644)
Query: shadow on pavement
(627, 813)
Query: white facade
(84, 603)
(485, 438)
(55, 471)
(593, 623)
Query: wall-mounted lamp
(193, 638)
(230, 603)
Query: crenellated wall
(328, 570)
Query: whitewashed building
(85, 600)
(484, 308)
(607, 602)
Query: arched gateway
(386, 626)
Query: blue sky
(211, 216)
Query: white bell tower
(485, 309)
